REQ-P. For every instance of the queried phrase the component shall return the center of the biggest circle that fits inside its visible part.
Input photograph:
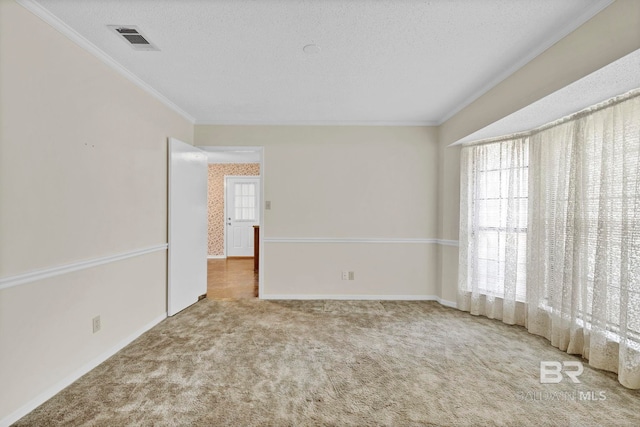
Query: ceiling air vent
(133, 37)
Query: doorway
(231, 278)
(235, 204)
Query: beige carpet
(334, 363)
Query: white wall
(345, 183)
(82, 177)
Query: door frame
(226, 205)
(258, 149)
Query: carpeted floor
(335, 363)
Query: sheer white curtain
(583, 274)
(493, 224)
(582, 237)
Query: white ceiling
(380, 61)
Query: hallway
(231, 278)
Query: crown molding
(73, 35)
(579, 20)
(81, 41)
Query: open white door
(187, 263)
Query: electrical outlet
(267, 205)
(96, 324)
(348, 275)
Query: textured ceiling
(380, 61)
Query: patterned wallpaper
(216, 199)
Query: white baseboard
(216, 256)
(446, 303)
(350, 297)
(60, 385)
(360, 298)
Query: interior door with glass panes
(241, 214)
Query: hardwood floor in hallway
(231, 279)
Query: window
(498, 180)
(245, 201)
(550, 233)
